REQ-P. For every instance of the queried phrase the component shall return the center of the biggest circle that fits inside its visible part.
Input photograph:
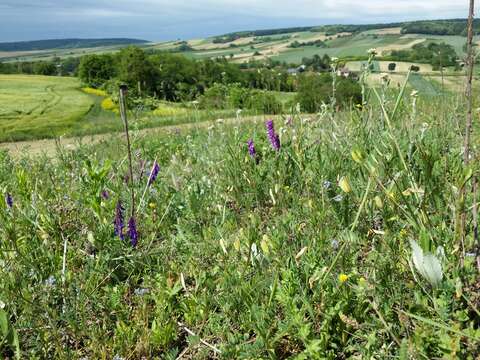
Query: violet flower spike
(105, 195)
(118, 222)
(251, 148)
(132, 232)
(154, 173)
(9, 200)
(272, 135)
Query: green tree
(313, 90)
(136, 70)
(44, 68)
(96, 70)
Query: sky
(158, 20)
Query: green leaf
(3, 323)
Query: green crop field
(46, 106)
(424, 86)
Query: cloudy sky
(186, 19)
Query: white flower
(372, 51)
(141, 291)
(338, 198)
(427, 265)
(50, 281)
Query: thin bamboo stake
(123, 113)
(475, 220)
(468, 129)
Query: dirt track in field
(48, 147)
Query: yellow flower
(345, 185)
(152, 205)
(378, 202)
(343, 278)
(357, 156)
(403, 233)
(96, 92)
(108, 104)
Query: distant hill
(426, 27)
(66, 44)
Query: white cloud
(166, 19)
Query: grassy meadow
(310, 242)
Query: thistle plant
(334, 68)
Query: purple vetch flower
(105, 195)
(272, 135)
(9, 200)
(251, 148)
(118, 222)
(132, 231)
(153, 173)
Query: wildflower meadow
(324, 236)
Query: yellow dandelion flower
(343, 278)
(152, 205)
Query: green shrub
(215, 97)
(314, 90)
(264, 102)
